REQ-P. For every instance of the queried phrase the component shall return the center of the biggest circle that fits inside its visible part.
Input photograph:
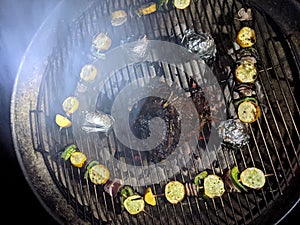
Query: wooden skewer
(266, 175)
(269, 174)
(147, 213)
(159, 195)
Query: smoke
(18, 22)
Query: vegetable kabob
(246, 73)
(96, 172)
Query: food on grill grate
(118, 17)
(125, 192)
(199, 177)
(62, 121)
(234, 133)
(88, 72)
(146, 9)
(244, 14)
(174, 192)
(253, 177)
(202, 44)
(246, 72)
(134, 204)
(101, 42)
(213, 186)
(68, 151)
(248, 110)
(243, 90)
(246, 37)
(139, 51)
(149, 197)
(266, 143)
(181, 4)
(234, 174)
(77, 159)
(98, 122)
(249, 54)
(97, 173)
(70, 105)
(112, 187)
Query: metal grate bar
(281, 114)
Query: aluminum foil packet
(202, 44)
(139, 51)
(234, 132)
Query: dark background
(19, 19)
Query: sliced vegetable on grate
(181, 4)
(112, 187)
(118, 17)
(246, 37)
(68, 151)
(246, 72)
(77, 158)
(88, 72)
(253, 177)
(213, 186)
(234, 174)
(101, 42)
(97, 173)
(174, 192)
(149, 197)
(62, 121)
(199, 177)
(146, 9)
(70, 105)
(134, 204)
(125, 192)
(248, 110)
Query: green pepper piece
(127, 191)
(68, 151)
(199, 177)
(247, 99)
(234, 173)
(89, 166)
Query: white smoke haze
(19, 20)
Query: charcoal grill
(50, 72)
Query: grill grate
(274, 145)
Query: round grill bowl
(50, 71)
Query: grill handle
(35, 130)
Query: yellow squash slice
(134, 204)
(248, 111)
(213, 186)
(181, 4)
(253, 177)
(246, 72)
(77, 159)
(149, 197)
(62, 121)
(246, 37)
(70, 105)
(174, 192)
(88, 72)
(99, 174)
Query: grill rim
(13, 121)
